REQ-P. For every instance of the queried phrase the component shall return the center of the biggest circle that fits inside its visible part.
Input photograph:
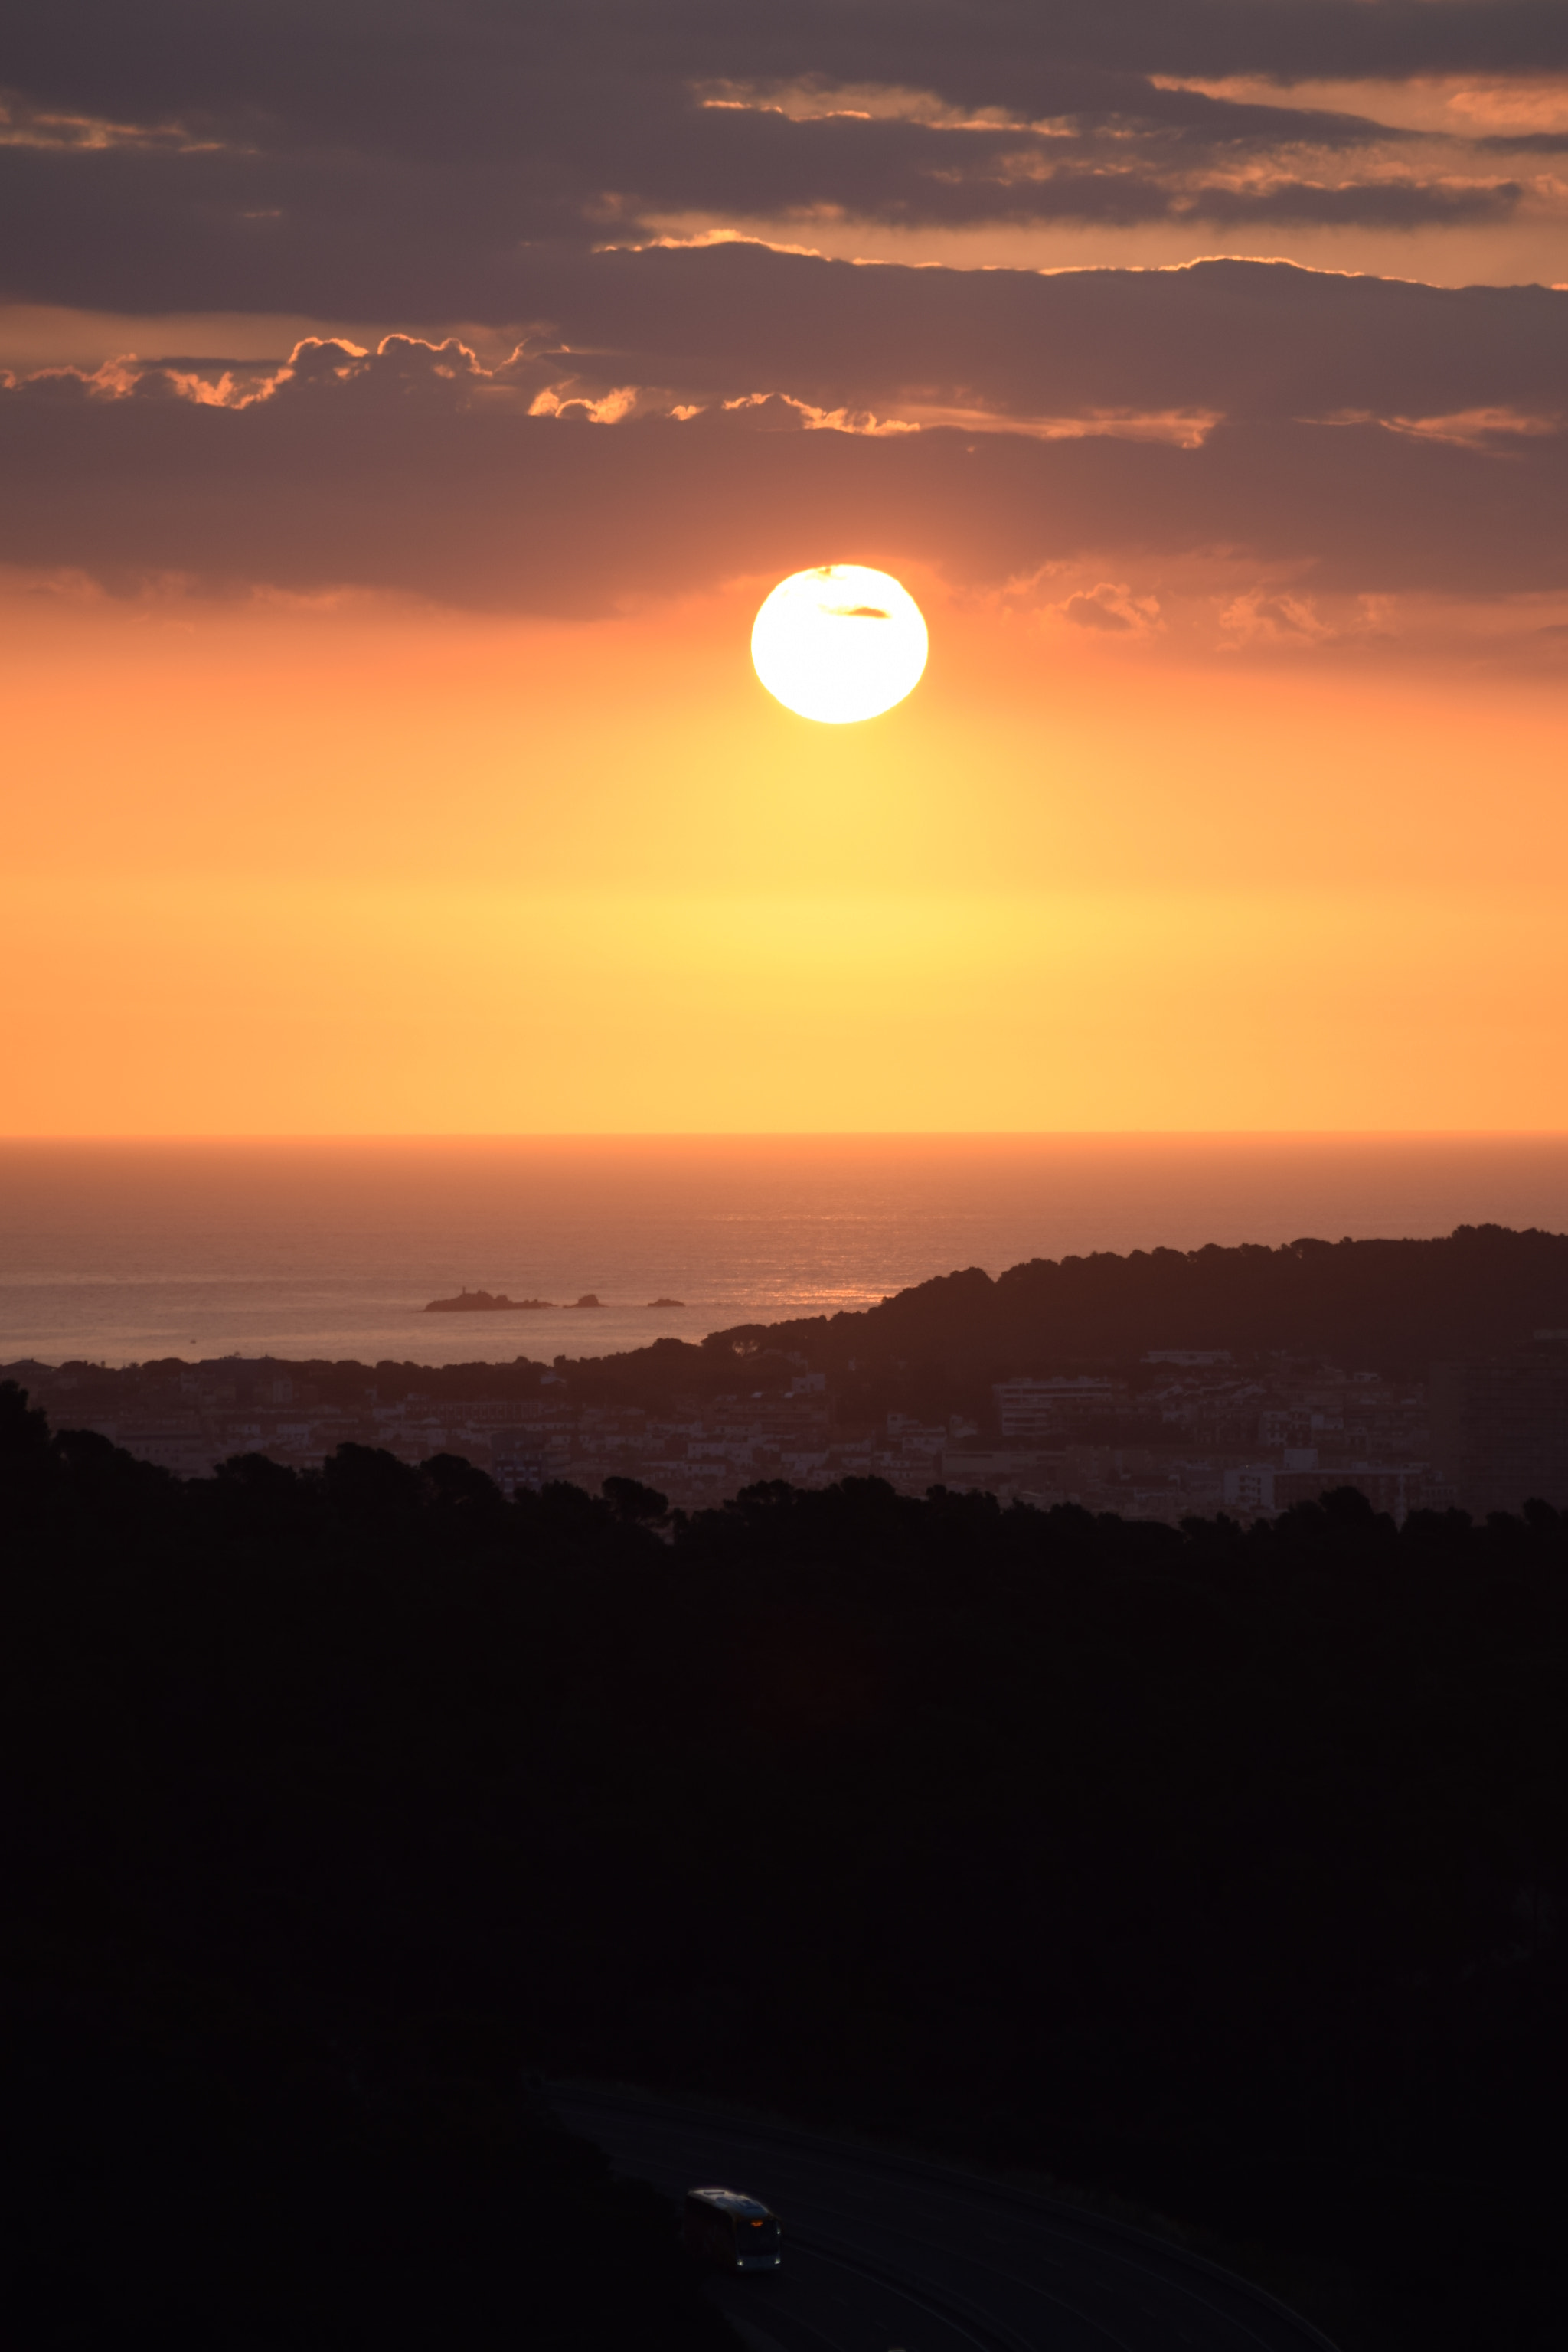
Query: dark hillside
(190, 2169)
(1386, 1305)
(1224, 1871)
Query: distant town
(1429, 1374)
(1181, 1432)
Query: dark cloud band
(414, 472)
(344, 159)
(1228, 337)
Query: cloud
(1159, 353)
(1274, 619)
(1221, 338)
(511, 67)
(326, 158)
(1111, 605)
(678, 415)
(415, 470)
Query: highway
(888, 2253)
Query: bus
(731, 2231)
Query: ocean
(120, 1252)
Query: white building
(1037, 1409)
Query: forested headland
(1390, 1305)
(1221, 1871)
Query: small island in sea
(665, 1302)
(496, 1302)
(487, 1302)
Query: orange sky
(359, 869)
(397, 438)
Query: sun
(839, 644)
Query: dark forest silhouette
(1388, 1304)
(1223, 1870)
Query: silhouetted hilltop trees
(1386, 1305)
(1227, 1870)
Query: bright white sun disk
(839, 644)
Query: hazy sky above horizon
(409, 406)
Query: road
(888, 2253)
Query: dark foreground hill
(1384, 1305)
(189, 2169)
(1226, 1872)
